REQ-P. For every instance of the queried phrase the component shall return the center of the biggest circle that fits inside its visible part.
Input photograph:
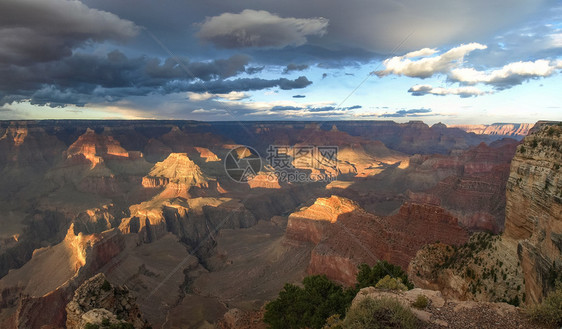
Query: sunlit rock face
(534, 207)
(176, 169)
(264, 180)
(345, 235)
(39, 300)
(95, 148)
(500, 129)
(207, 154)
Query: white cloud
(259, 28)
(556, 40)
(427, 66)
(210, 111)
(451, 64)
(509, 75)
(198, 97)
(421, 90)
(231, 96)
(234, 96)
(421, 52)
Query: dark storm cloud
(47, 47)
(39, 31)
(254, 69)
(406, 113)
(242, 84)
(315, 55)
(294, 67)
(85, 78)
(180, 68)
(373, 27)
(259, 28)
(377, 26)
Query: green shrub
(320, 299)
(308, 306)
(122, 325)
(534, 143)
(334, 322)
(369, 277)
(421, 302)
(105, 322)
(91, 326)
(380, 313)
(390, 283)
(106, 286)
(549, 312)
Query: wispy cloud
(232, 96)
(421, 90)
(294, 67)
(406, 113)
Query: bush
(391, 284)
(309, 306)
(334, 322)
(91, 326)
(320, 299)
(369, 277)
(421, 302)
(534, 143)
(379, 314)
(549, 312)
(106, 286)
(121, 325)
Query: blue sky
(437, 61)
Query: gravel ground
(479, 316)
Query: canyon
(525, 260)
(149, 206)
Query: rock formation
(95, 148)
(484, 269)
(176, 174)
(345, 235)
(30, 300)
(452, 313)
(515, 130)
(98, 302)
(534, 207)
(526, 261)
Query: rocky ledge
(97, 302)
(451, 313)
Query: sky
(456, 62)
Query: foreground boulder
(97, 302)
(451, 313)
